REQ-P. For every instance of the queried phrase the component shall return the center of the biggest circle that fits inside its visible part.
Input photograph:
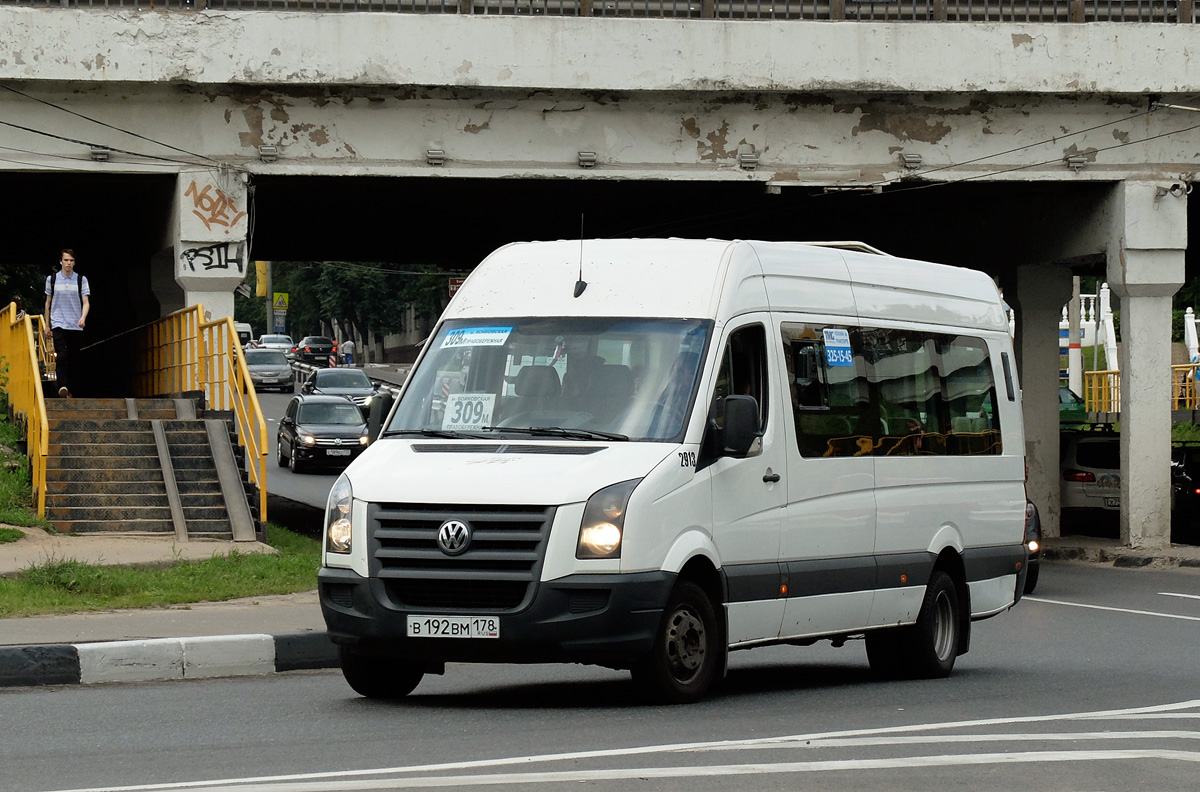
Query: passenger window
(828, 385)
(896, 393)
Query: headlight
(1033, 545)
(363, 440)
(604, 521)
(308, 439)
(338, 522)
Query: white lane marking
(692, 771)
(1173, 594)
(948, 739)
(1129, 712)
(1114, 610)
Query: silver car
(1091, 478)
(269, 370)
(283, 343)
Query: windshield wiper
(556, 431)
(443, 433)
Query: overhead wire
(111, 126)
(95, 145)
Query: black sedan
(269, 370)
(316, 350)
(320, 430)
(349, 382)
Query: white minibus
(644, 454)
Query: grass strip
(70, 586)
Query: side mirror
(381, 405)
(742, 433)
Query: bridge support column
(1145, 268)
(210, 243)
(1042, 290)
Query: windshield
(346, 378)
(347, 414)
(275, 339)
(264, 357)
(626, 378)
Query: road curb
(160, 659)
(1118, 557)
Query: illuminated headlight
(308, 439)
(338, 521)
(1033, 546)
(604, 521)
(363, 440)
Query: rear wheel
(379, 677)
(927, 649)
(280, 459)
(688, 651)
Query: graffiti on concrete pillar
(213, 206)
(223, 257)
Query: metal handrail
(183, 352)
(20, 347)
(1102, 391)
(1042, 11)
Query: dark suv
(316, 350)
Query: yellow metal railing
(1183, 387)
(1102, 391)
(21, 348)
(183, 352)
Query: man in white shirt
(67, 306)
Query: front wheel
(688, 651)
(378, 677)
(294, 464)
(927, 649)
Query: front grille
(340, 442)
(497, 572)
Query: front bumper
(605, 620)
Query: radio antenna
(580, 284)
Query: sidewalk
(258, 635)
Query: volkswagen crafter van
(646, 453)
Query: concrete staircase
(145, 466)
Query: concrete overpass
(171, 146)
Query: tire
(294, 464)
(927, 649)
(288, 389)
(378, 677)
(688, 652)
(1031, 578)
(280, 459)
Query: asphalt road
(1089, 685)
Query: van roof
(711, 278)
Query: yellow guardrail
(21, 348)
(1102, 391)
(1183, 386)
(183, 352)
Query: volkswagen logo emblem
(337, 441)
(454, 536)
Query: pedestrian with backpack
(67, 306)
